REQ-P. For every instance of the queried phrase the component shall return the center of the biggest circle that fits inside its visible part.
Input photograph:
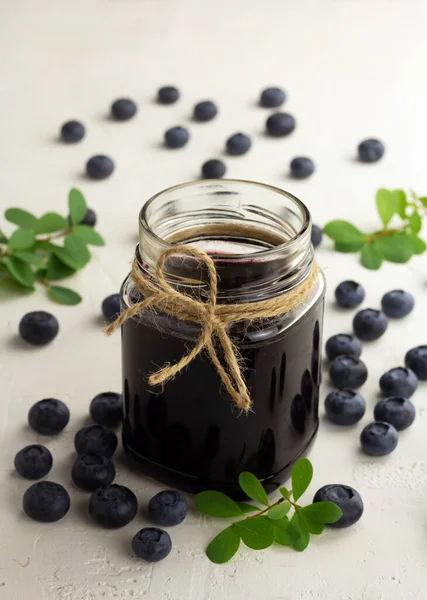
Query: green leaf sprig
(260, 527)
(33, 255)
(397, 244)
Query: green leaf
(256, 533)
(21, 239)
(65, 258)
(313, 526)
(401, 202)
(417, 244)
(324, 512)
(224, 546)
(303, 542)
(302, 474)
(20, 271)
(415, 222)
(247, 508)
(56, 269)
(372, 256)
(423, 201)
(64, 295)
(29, 257)
(285, 493)
(349, 247)
(396, 247)
(279, 511)
(252, 488)
(300, 523)
(77, 206)
(51, 222)
(3, 238)
(76, 250)
(285, 533)
(217, 504)
(22, 218)
(344, 233)
(387, 205)
(89, 235)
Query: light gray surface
(353, 69)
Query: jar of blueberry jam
(188, 433)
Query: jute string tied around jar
(213, 318)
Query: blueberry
(38, 327)
(113, 506)
(416, 360)
(399, 412)
(397, 304)
(99, 167)
(349, 294)
(89, 219)
(272, 97)
(238, 144)
(399, 382)
(123, 109)
(316, 235)
(72, 132)
(347, 498)
(280, 124)
(348, 372)
(96, 439)
(107, 409)
(205, 111)
(369, 324)
(48, 416)
(344, 407)
(302, 167)
(111, 307)
(46, 501)
(378, 439)
(168, 508)
(33, 462)
(370, 151)
(213, 169)
(168, 94)
(343, 344)
(91, 471)
(176, 137)
(152, 544)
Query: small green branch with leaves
(396, 244)
(259, 527)
(33, 255)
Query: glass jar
(188, 433)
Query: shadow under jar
(188, 433)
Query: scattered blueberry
(399, 412)
(123, 109)
(96, 439)
(416, 360)
(344, 407)
(107, 409)
(205, 111)
(33, 462)
(48, 416)
(369, 324)
(91, 471)
(272, 97)
(349, 294)
(316, 235)
(302, 167)
(399, 381)
(168, 94)
(397, 304)
(378, 439)
(213, 169)
(72, 132)
(168, 508)
(113, 506)
(46, 501)
(89, 218)
(370, 151)
(38, 328)
(280, 124)
(99, 167)
(111, 307)
(343, 344)
(347, 498)
(176, 137)
(152, 544)
(348, 372)
(238, 144)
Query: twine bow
(213, 318)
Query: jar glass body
(188, 433)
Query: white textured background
(353, 69)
